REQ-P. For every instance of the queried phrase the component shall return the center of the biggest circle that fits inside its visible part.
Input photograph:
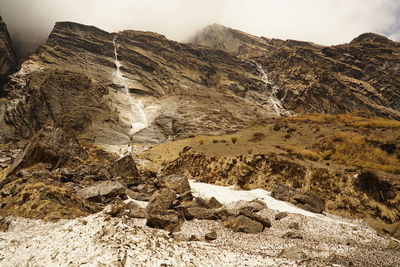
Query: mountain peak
(370, 37)
(224, 38)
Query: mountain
(106, 136)
(360, 76)
(175, 90)
(8, 62)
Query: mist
(325, 22)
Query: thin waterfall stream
(272, 94)
(138, 119)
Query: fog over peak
(326, 22)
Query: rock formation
(173, 89)
(359, 76)
(8, 61)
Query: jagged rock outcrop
(8, 61)
(147, 88)
(359, 76)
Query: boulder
(292, 235)
(263, 220)
(50, 145)
(211, 236)
(169, 220)
(124, 167)
(135, 211)
(244, 224)
(200, 213)
(213, 203)
(114, 209)
(102, 192)
(304, 200)
(187, 196)
(161, 200)
(280, 216)
(254, 205)
(178, 183)
(4, 224)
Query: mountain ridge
(327, 79)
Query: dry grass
(306, 153)
(234, 139)
(347, 119)
(353, 149)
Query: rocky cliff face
(8, 62)
(359, 76)
(152, 89)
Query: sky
(325, 22)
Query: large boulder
(169, 220)
(200, 213)
(124, 167)
(177, 183)
(50, 145)
(261, 219)
(161, 200)
(135, 211)
(244, 224)
(103, 192)
(304, 200)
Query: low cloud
(326, 22)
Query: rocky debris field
(104, 240)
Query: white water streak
(139, 120)
(272, 97)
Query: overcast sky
(321, 21)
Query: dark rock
(50, 145)
(4, 224)
(369, 183)
(169, 220)
(8, 61)
(193, 238)
(115, 209)
(254, 205)
(305, 200)
(263, 220)
(102, 192)
(292, 235)
(244, 224)
(200, 202)
(281, 215)
(213, 203)
(211, 236)
(124, 167)
(161, 200)
(178, 183)
(201, 213)
(135, 211)
(185, 197)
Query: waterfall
(138, 119)
(272, 94)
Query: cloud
(321, 21)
